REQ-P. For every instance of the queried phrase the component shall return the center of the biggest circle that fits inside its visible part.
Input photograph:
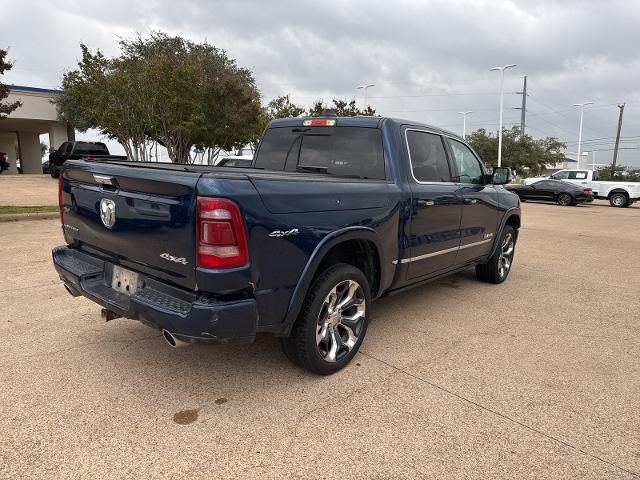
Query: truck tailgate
(153, 215)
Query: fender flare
(515, 211)
(311, 268)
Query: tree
(620, 173)
(279, 107)
(282, 107)
(342, 108)
(522, 153)
(163, 90)
(5, 66)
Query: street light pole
(581, 105)
(365, 87)
(501, 70)
(464, 122)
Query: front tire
(498, 267)
(333, 321)
(619, 200)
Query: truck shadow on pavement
(259, 365)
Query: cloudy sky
(428, 59)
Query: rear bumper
(189, 317)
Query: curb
(14, 217)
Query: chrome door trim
(441, 252)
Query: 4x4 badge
(171, 258)
(286, 233)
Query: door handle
(470, 201)
(425, 203)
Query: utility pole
(615, 150)
(524, 106)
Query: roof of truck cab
(370, 122)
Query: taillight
(586, 191)
(60, 199)
(220, 237)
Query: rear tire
(54, 173)
(497, 269)
(619, 200)
(564, 199)
(333, 321)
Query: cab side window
(468, 165)
(577, 175)
(563, 175)
(428, 157)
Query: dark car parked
(78, 151)
(557, 191)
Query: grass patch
(10, 209)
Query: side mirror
(501, 175)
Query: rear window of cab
(352, 152)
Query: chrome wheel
(340, 320)
(564, 199)
(506, 255)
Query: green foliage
(621, 173)
(522, 153)
(164, 90)
(342, 108)
(282, 107)
(5, 108)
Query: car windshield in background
(91, 149)
(339, 151)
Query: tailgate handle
(105, 180)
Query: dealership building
(20, 131)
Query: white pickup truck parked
(619, 193)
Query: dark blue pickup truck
(333, 213)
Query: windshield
(91, 149)
(340, 151)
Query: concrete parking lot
(28, 190)
(535, 378)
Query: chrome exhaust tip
(72, 292)
(173, 341)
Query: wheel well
(513, 221)
(362, 254)
(618, 190)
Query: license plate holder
(124, 281)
